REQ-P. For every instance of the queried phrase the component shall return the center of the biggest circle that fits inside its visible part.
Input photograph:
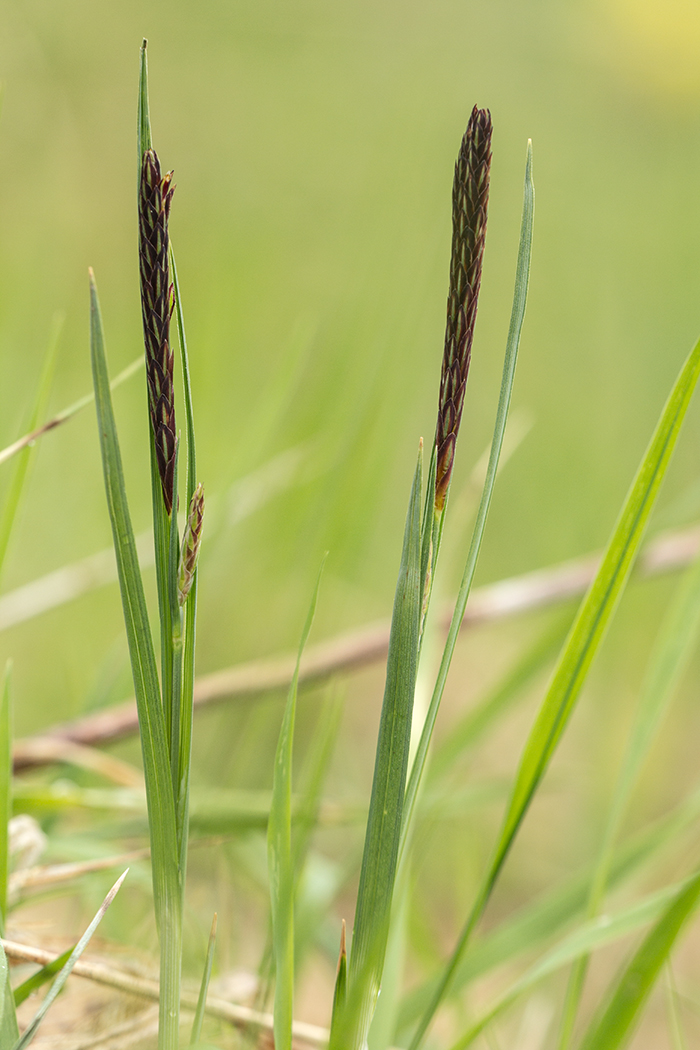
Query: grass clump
(566, 926)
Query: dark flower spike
(190, 545)
(470, 195)
(155, 197)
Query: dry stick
(495, 601)
(239, 1016)
(47, 750)
(43, 875)
(51, 874)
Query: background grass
(313, 147)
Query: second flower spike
(190, 545)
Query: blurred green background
(313, 146)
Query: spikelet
(190, 545)
(470, 194)
(155, 197)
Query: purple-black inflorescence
(155, 196)
(470, 194)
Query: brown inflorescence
(470, 194)
(155, 196)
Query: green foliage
(280, 855)
(31, 1029)
(154, 748)
(379, 862)
(204, 986)
(408, 799)
(33, 983)
(614, 1027)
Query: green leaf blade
(161, 807)
(584, 640)
(615, 1025)
(380, 858)
(31, 1029)
(280, 856)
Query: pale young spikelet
(190, 545)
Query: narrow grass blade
(478, 721)
(5, 788)
(593, 935)
(306, 818)
(204, 986)
(143, 120)
(341, 977)
(24, 990)
(163, 542)
(65, 414)
(672, 650)
(677, 1035)
(380, 858)
(9, 1032)
(17, 485)
(161, 809)
(614, 1027)
(63, 976)
(536, 923)
(382, 1032)
(586, 635)
(318, 759)
(190, 611)
(522, 277)
(279, 851)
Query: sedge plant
(405, 767)
(165, 703)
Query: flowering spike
(155, 197)
(470, 194)
(190, 545)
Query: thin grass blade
(379, 863)
(17, 485)
(9, 1032)
(143, 119)
(279, 852)
(594, 934)
(63, 976)
(586, 635)
(204, 986)
(477, 722)
(5, 789)
(672, 650)
(24, 990)
(163, 523)
(536, 923)
(614, 1027)
(675, 1024)
(190, 610)
(341, 977)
